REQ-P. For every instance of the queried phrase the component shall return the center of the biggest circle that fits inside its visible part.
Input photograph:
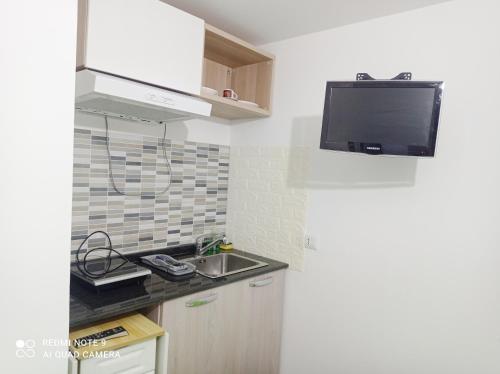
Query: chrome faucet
(201, 249)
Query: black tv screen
(382, 117)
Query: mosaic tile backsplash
(195, 203)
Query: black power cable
(82, 265)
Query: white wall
(37, 60)
(406, 278)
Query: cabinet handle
(199, 302)
(261, 282)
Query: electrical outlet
(309, 242)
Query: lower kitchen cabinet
(199, 332)
(233, 329)
(261, 316)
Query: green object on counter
(212, 250)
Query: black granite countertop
(88, 306)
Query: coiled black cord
(82, 265)
(110, 164)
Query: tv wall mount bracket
(406, 76)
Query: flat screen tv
(382, 117)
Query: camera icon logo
(25, 348)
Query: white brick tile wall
(267, 201)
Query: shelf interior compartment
(232, 63)
(231, 51)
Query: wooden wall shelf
(230, 62)
(230, 109)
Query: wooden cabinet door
(202, 331)
(234, 329)
(261, 315)
(145, 40)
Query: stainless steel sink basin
(223, 264)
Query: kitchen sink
(223, 264)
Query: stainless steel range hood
(106, 94)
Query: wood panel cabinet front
(144, 40)
(261, 313)
(199, 333)
(233, 329)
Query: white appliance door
(134, 359)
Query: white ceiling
(263, 21)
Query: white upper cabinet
(145, 40)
